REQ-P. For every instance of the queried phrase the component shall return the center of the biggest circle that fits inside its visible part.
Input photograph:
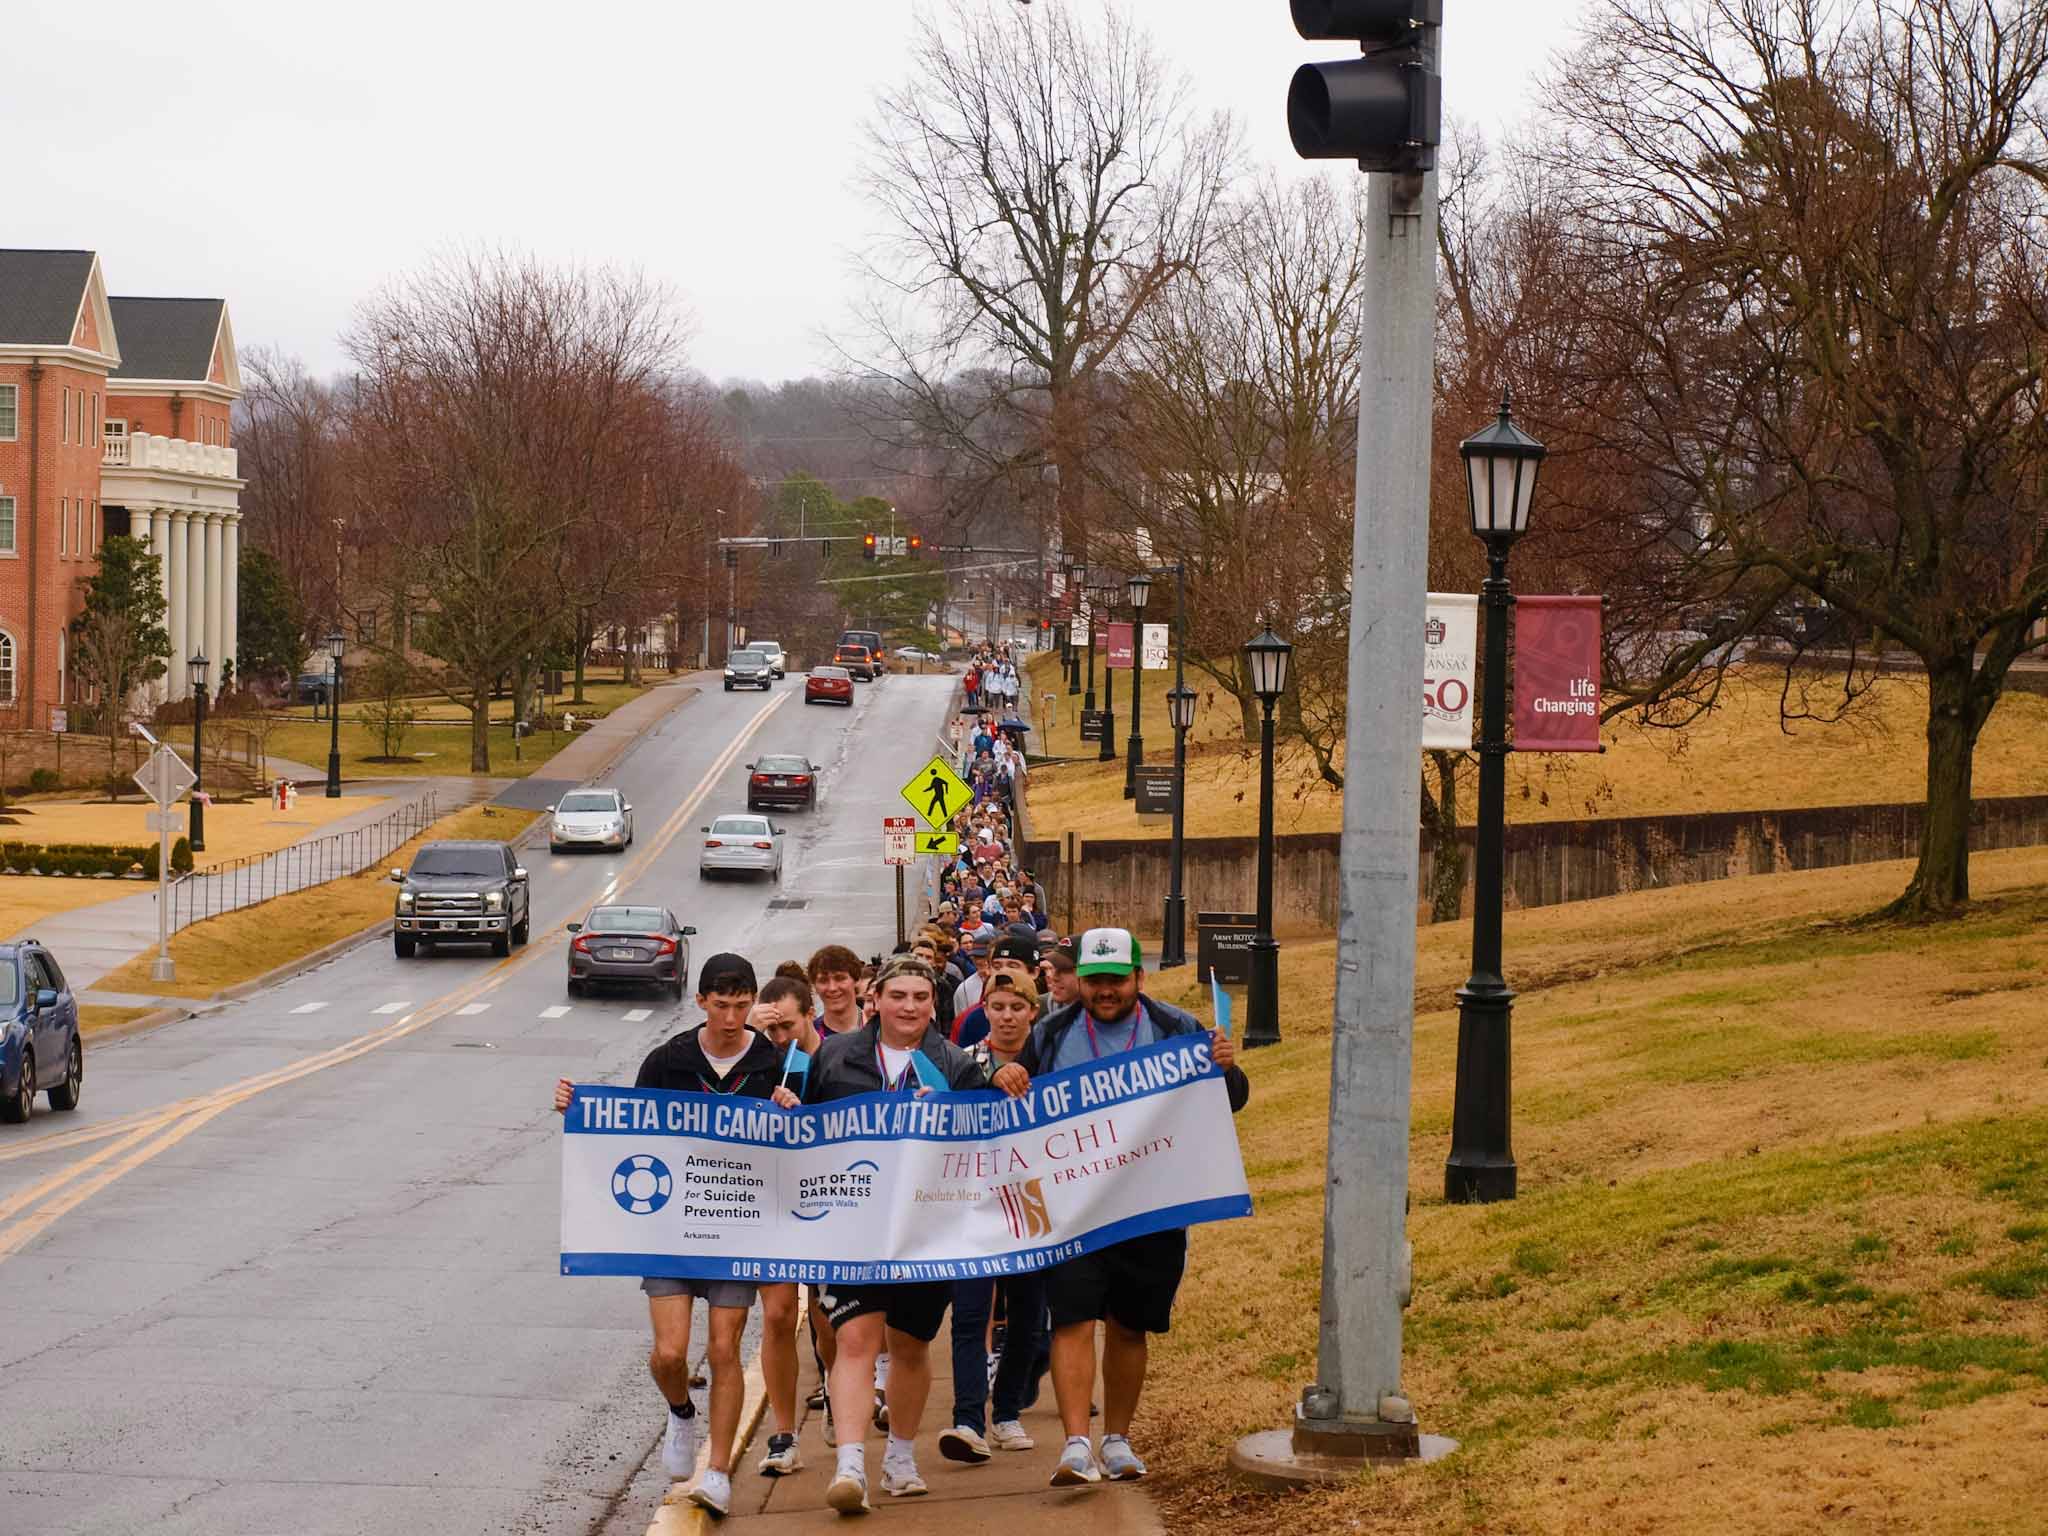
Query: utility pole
(1357, 1412)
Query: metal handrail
(259, 877)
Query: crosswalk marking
(392, 1008)
(470, 1010)
(637, 1015)
(309, 1008)
(555, 1012)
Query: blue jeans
(1023, 1345)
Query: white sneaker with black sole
(1120, 1464)
(1076, 1465)
(782, 1457)
(900, 1478)
(963, 1444)
(679, 1447)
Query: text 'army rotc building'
(114, 419)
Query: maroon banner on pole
(1120, 646)
(1557, 674)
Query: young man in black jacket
(902, 1316)
(723, 1056)
(1128, 1287)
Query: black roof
(40, 293)
(166, 338)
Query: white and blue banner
(898, 1186)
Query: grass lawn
(439, 745)
(1735, 759)
(232, 831)
(240, 946)
(94, 1017)
(1779, 1255)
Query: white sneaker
(679, 1448)
(1076, 1466)
(782, 1458)
(962, 1444)
(713, 1491)
(848, 1492)
(900, 1478)
(1120, 1464)
(1009, 1435)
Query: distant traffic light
(916, 543)
(867, 546)
(1385, 110)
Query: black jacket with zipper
(679, 1064)
(845, 1064)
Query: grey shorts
(717, 1293)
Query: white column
(158, 522)
(231, 590)
(176, 547)
(195, 587)
(216, 596)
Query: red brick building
(114, 418)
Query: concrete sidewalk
(1007, 1494)
(593, 752)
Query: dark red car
(790, 782)
(829, 685)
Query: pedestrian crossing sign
(937, 793)
(938, 842)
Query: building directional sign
(938, 842)
(937, 793)
(165, 776)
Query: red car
(829, 685)
(789, 782)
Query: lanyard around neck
(882, 1068)
(1095, 1045)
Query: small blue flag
(1221, 999)
(796, 1064)
(928, 1073)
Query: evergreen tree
(119, 643)
(271, 637)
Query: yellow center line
(142, 1136)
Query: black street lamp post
(1139, 592)
(336, 644)
(1180, 709)
(1087, 596)
(1105, 597)
(1269, 656)
(1070, 589)
(1501, 464)
(198, 667)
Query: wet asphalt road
(292, 1266)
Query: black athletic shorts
(1132, 1283)
(915, 1307)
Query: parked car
(778, 659)
(790, 782)
(748, 668)
(311, 688)
(750, 845)
(912, 653)
(870, 638)
(41, 1050)
(590, 818)
(629, 944)
(460, 893)
(829, 685)
(858, 660)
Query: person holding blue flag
(899, 1051)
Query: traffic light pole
(1356, 1413)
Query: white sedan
(743, 844)
(590, 818)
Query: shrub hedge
(90, 858)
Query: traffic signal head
(867, 545)
(1384, 110)
(916, 543)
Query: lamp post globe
(337, 642)
(1137, 592)
(1180, 710)
(197, 669)
(1267, 658)
(1501, 465)
(1106, 594)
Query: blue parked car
(40, 1048)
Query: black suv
(461, 893)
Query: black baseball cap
(726, 973)
(1014, 947)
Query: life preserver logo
(642, 1185)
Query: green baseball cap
(1108, 952)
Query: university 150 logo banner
(1557, 674)
(898, 1187)
(1450, 667)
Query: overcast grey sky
(289, 157)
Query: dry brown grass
(95, 1017)
(1780, 1247)
(239, 946)
(232, 831)
(1735, 759)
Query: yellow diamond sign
(937, 793)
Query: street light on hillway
(1106, 593)
(1269, 657)
(337, 642)
(1138, 591)
(198, 668)
(1501, 464)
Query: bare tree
(1816, 281)
(289, 432)
(1041, 179)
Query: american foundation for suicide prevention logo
(641, 1185)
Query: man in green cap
(1128, 1287)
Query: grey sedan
(745, 844)
(629, 944)
(591, 818)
